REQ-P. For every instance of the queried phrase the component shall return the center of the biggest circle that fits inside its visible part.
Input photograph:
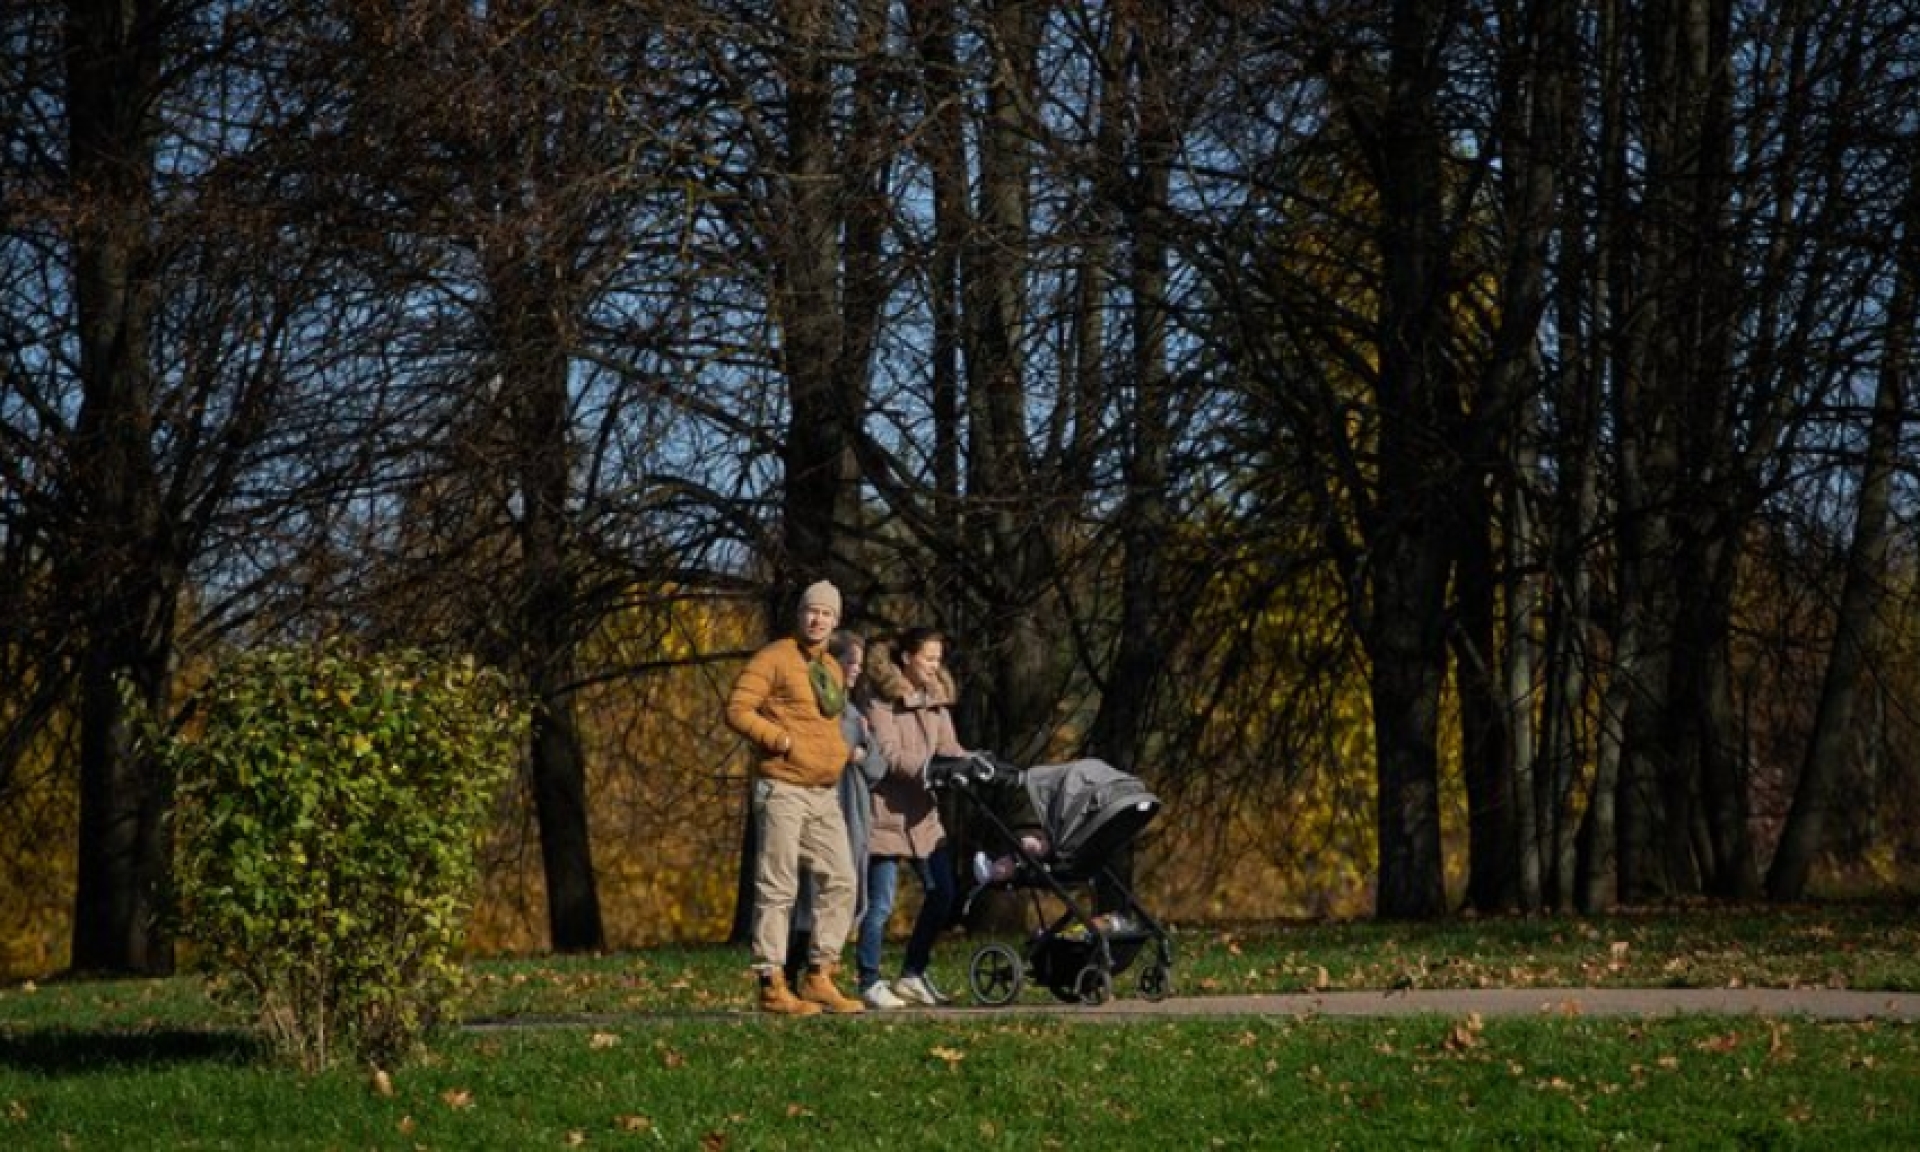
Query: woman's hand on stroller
(975, 767)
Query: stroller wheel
(1094, 985)
(1156, 982)
(1067, 991)
(995, 975)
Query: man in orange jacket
(787, 702)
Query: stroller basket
(1058, 960)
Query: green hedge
(330, 807)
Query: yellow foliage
(38, 831)
(666, 786)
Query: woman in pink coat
(910, 713)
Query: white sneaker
(880, 998)
(940, 997)
(982, 868)
(916, 990)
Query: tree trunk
(943, 149)
(1675, 450)
(1120, 727)
(1864, 588)
(1570, 732)
(120, 567)
(1484, 665)
(1538, 72)
(1010, 549)
(1408, 529)
(807, 296)
(544, 460)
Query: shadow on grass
(61, 1051)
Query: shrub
(330, 806)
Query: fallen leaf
(406, 1125)
(632, 1123)
(600, 1041)
(382, 1082)
(16, 1111)
(1465, 1034)
(1725, 1043)
(1321, 980)
(457, 1098)
(795, 1111)
(575, 1138)
(951, 1055)
(713, 1142)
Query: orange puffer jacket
(773, 702)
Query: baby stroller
(1086, 810)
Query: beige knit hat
(823, 594)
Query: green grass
(666, 1055)
(1027, 1084)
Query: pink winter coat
(909, 728)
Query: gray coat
(864, 770)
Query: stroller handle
(966, 771)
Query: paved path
(1812, 1003)
(1823, 1003)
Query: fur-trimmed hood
(909, 728)
(886, 682)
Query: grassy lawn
(149, 1064)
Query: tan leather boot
(817, 987)
(775, 998)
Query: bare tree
(1864, 590)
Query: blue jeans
(937, 889)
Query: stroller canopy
(1089, 808)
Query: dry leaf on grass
(1464, 1034)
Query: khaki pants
(800, 828)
